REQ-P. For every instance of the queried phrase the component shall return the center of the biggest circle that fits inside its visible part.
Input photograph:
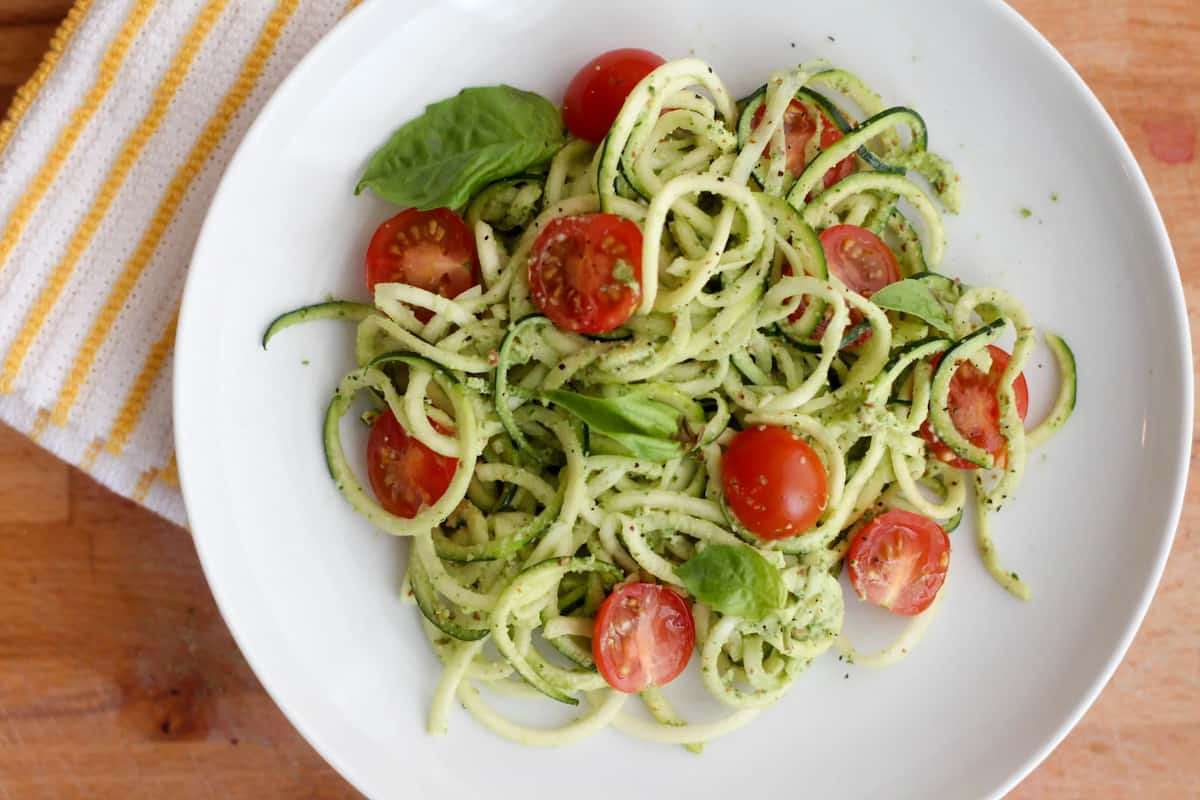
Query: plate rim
(355, 19)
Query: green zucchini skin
(333, 309)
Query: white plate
(309, 589)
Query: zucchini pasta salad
(640, 391)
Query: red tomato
(774, 482)
(585, 272)
(859, 258)
(596, 93)
(643, 636)
(405, 474)
(898, 561)
(432, 250)
(788, 271)
(798, 129)
(975, 409)
(862, 261)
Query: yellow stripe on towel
(29, 92)
(144, 485)
(170, 473)
(208, 140)
(88, 460)
(139, 393)
(40, 423)
(106, 76)
(128, 157)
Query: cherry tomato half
(789, 270)
(585, 272)
(859, 258)
(798, 129)
(975, 409)
(432, 250)
(898, 561)
(596, 93)
(774, 482)
(643, 636)
(405, 474)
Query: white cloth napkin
(108, 160)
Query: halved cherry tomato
(432, 250)
(585, 272)
(975, 409)
(405, 474)
(774, 482)
(859, 258)
(798, 128)
(898, 561)
(643, 636)
(789, 270)
(596, 93)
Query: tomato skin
(798, 129)
(898, 561)
(575, 272)
(844, 168)
(975, 409)
(636, 616)
(595, 95)
(432, 250)
(773, 481)
(859, 258)
(405, 474)
(788, 271)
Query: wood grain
(118, 678)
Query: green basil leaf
(463, 143)
(631, 413)
(734, 579)
(648, 448)
(914, 297)
(645, 428)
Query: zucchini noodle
(740, 322)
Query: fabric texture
(109, 157)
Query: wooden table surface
(119, 679)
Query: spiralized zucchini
(542, 517)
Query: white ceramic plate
(309, 589)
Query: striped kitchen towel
(109, 157)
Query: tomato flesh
(799, 126)
(405, 475)
(643, 636)
(898, 561)
(595, 95)
(975, 409)
(585, 272)
(432, 250)
(774, 482)
(859, 258)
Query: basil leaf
(914, 297)
(734, 579)
(648, 448)
(644, 427)
(463, 143)
(631, 413)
